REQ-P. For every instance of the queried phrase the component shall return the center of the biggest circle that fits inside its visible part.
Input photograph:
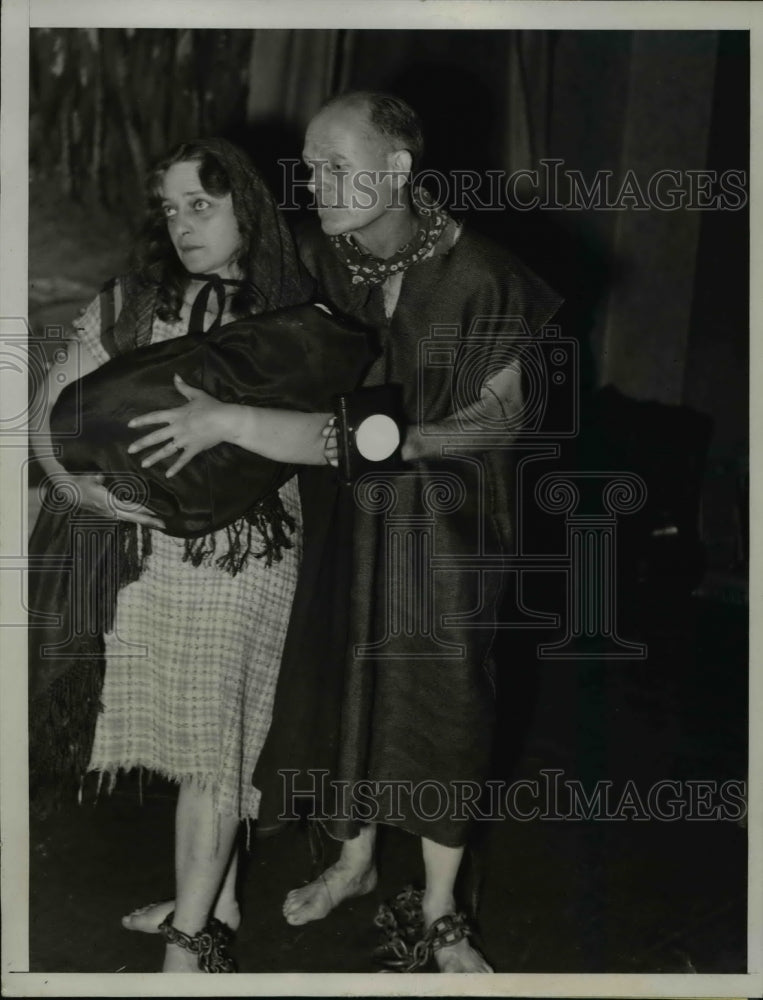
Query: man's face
(351, 170)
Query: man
(389, 257)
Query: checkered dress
(192, 661)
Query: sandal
(210, 944)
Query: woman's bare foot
(317, 899)
(147, 918)
(177, 959)
(458, 957)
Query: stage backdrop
(658, 296)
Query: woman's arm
(283, 435)
(74, 363)
(309, 438)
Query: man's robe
(415, 712)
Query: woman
(194, 704)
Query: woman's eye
(168, 211)
(201, 204)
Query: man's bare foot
(458, 957)
(147, 918)
(177, 959)
(317, 899)
(461, 957)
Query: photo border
(17, 18)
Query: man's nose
(315, 178)
(325, 189)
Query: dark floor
(634, 895)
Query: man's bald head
(389, 119)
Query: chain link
(210, 944)
(406, 946)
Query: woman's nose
(185, 222)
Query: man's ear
(401, 162)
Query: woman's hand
(188, 429)
(92, 495)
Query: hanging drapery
(528, 75)
(649, 310)
(291, 73)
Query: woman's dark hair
(267, 258)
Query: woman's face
(202, 226)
